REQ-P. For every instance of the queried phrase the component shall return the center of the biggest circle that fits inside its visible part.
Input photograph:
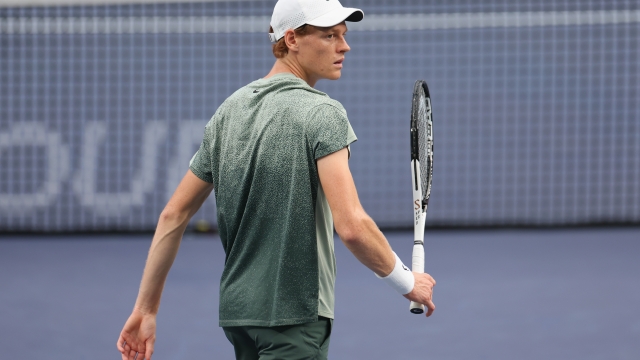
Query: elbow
(353, 230)
(167, 216)
(348, 237)
(170, 215)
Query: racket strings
(424, 147)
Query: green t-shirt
(260, 150)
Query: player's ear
(290, 40)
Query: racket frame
(420, 204)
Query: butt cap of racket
(416, 308)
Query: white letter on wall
(143, 182)
(34, 134)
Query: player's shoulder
(293, 91)
(328, 109)
(329, 105)
(285, 92)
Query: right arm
(138, 333)
(358, 231)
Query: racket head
(422, 137)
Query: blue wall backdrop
(536, 111)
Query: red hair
(280, 48)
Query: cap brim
(335, 17)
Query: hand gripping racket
(421, 172)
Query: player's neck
(285, 65)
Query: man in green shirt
(276, 152)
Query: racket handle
(417, 265)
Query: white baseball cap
(291, 14)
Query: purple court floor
(505, 294)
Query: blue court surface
(503, 294)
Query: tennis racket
(421, 171)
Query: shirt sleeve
(330, 130)
(200, 163)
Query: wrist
(145, 310)
(400, 278)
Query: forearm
(357, 230)
(162, 253)
(369, 245)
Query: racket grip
(417, 265)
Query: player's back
(263, 151)
(260, 149)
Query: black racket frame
(415, 142)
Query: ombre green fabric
(260, 150)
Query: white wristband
(401, 278)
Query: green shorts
(308, 341)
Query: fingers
(424, 292)
(431, 307)
(425, 278)
(149, 352)
(121, 347)
(127, 348)
(120, 344)
(134, 352)
(432, 279)
(138, 352)
(135, 355)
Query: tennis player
(276, 152)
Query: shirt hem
(201, 175)
(331, 150)
(325, 314)
(279, 322)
